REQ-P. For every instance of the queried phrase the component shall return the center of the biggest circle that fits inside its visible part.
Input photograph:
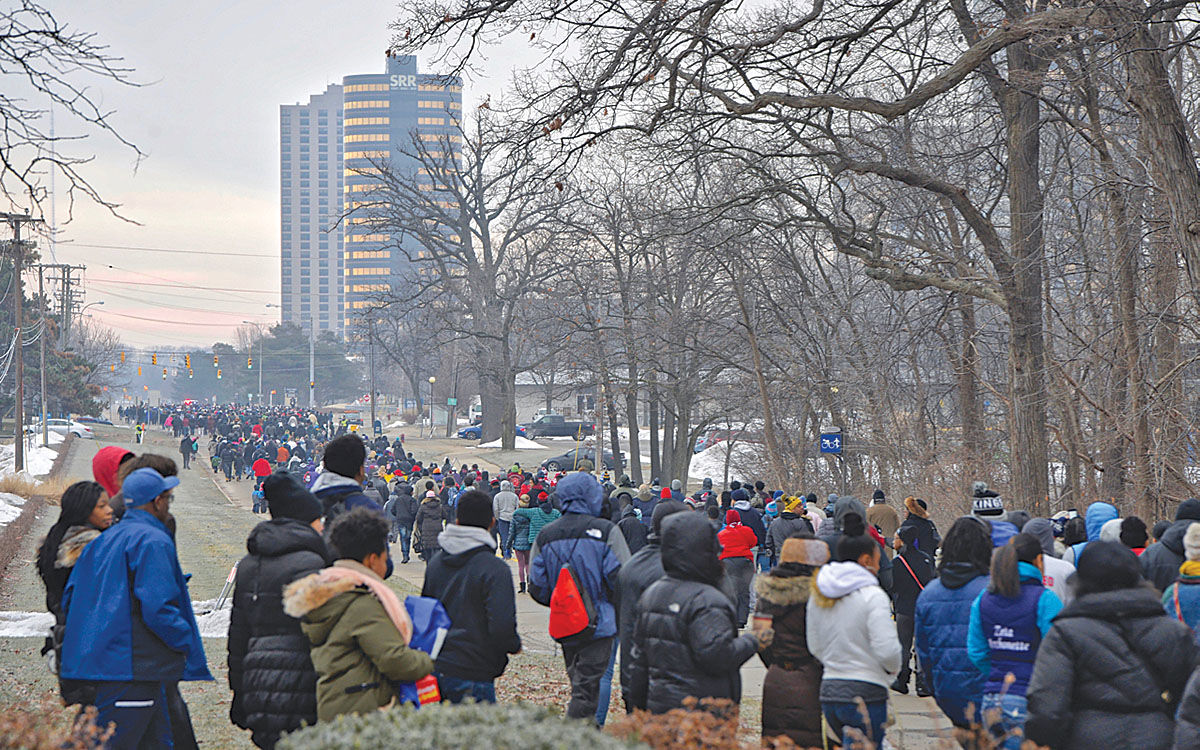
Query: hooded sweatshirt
(850, 627)
(831, 533)
(1098, 514)
(476, 589)
(505, 502)
(1055, 571)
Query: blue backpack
(430, 626)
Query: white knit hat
(1191, 542)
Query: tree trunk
(970, 407)
(1022, 284)
(668, 447)
(635, 444)
(653, 407)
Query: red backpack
(572, 612)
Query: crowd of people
(1067, 631)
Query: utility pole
(42, 353)
(598, 411)
(312, 375)
(18, 250)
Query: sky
(207, 118)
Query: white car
(63, 427)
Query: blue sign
(831, 443)
(410, 403)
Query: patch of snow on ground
(38, 624)
(10, 508)
(521, 444)
(38, 460)
(710, 462)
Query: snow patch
(10, 507)
(521, 444)
(710, 462)
(39, 459)
(212, 624)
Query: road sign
(831, 442)
(410, 403)
(451, 402)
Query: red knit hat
(732, 516)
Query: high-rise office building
(310, 194)
(328, 147)
(382, 112)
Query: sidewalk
(919, 723)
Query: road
(214, 519)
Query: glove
(765, 638)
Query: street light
(432, 380)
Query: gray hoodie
(505, 502)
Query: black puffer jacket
(685, 642)
(1161, 560)
(643, 569)
(1092, 689)
(270, 672)
(632, 529)
(1187, 721)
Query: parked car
(63, 427)
(569, 461)
(555, 425)
(475, 431)
(93, 420)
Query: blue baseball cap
(144, 484)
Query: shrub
(46, 728)
(701, 724)
(513, 726)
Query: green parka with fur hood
(356, 649)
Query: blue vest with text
(1013, 636)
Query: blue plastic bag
(430, 625)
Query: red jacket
(262, 468)
(737, 540)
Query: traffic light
(187, 360)
(154, 359)
(249, 363)
(218, 374)
(112, 368)
(139, 371)
(122, 357)
(312, 384)
(189, 372)
(164, 373)
(216, 361)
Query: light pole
(432, 380)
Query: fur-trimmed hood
(783, 591)
(308, 594)
(73, 542)
(910, 503)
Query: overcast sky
(208, 119)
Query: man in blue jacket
(340, 486)
(595, 548)
(130, 626)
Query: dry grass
(51, 488)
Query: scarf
(351, 570)
(1190, 568)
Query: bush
(513, 726)
(45, 727)
(708, 724)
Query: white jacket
(850, 627)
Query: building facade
(310, 189)
(333, 265)
(382, 113)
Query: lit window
(355, 121)
(368, 238)
(365, 137)
(371, 104)
(366, 154)
(431, 120)
(368, 254)
(365, 87)
(359, 171)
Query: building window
(356, 121)
(365, 87)
(360, 137)
(370, 104)
(431, 120)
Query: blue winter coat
(105, 640)
(943, 617)
(1098, 514)
(595, 548)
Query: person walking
(271, 673)
(632, 527)
(504, 504)
(129, 622)
(737, 551)
(1009, 619)
(538, 517)
(912, 571)
(942, 619)
(520, 541)
(428, 522)
(185, 450)
(1181, 600)
(593, 550)
(1112, 669)
(927, 539)
(476, 590)
(358, 628)
(84, 513)
(791, 690)
(850, 630)
(686, 642)
(404, 515)
(1161, 560)
(340, 486)
(789, 523)
(883, 517)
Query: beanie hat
(474, 509)
(812, 552)
(878, 496)
(739, 495)
(1188, 510)
(1133, 532)
(1191, 542)
(665, 494)
(908, 534)
(793, 503)
(288, 498)
(986, 504)
(677, 485)
(732, 516)
(1108, 566)
(772, 508)
(917, 507)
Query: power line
(171, 250)
(178, 285)
(170, 322)
(165, 305)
